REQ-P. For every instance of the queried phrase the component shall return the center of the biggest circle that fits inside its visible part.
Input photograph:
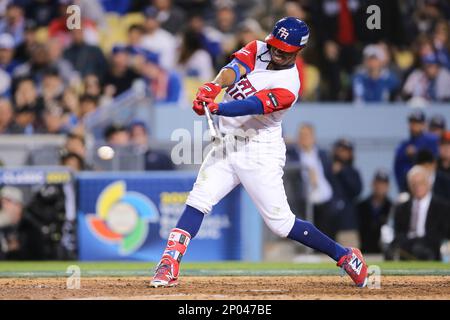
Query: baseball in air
(105, 153)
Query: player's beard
(281, 60)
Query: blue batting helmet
(289, 34)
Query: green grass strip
(125, 269)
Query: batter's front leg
(215, 180)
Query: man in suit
(440, 181)
(444, 154)
(315, 181)
(421, 223)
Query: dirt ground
(235, 288)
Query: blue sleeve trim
(247, 68)
(238, 108)
(233, 65)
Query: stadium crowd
(52, 79)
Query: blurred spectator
(23, 50)
(347, 185)
(26, 94)
(165, 86)
(24, 121)
(92, 10)
(226, 26)
(93, 87)
(5, 84)
(137, 54)
(135, 34)
(11, 206)
(64, 67)
(374, 82)
(428, 13)
(430, 83)
(44, 58)
(11, 213)
(422, 47)
(42, 225)
(76, 143)
(169, 16)
(194, 61)
(88, 104)
(154, 159)
(28, 107)
(7, 61)
(117, 6)
(36, 66)
(120, 76)
(406, 152)
(158, 40)
(444, 154)
(6, 116)
(338, 21)
(54, 121)
(441, 42)
(440, 181)
(373, 213)
(70, 103)
(3, 6)
(13, 22)
(85, 58)
(210, 38)
(72, 161)
(437, 126)
(52, 86)
(316, 178)
(116, 135)
(42, 11)
(248, 30)
(332, 87)
(420, 224)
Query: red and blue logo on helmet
(289, 34)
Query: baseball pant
(258, 166)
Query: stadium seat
(404, 59)
(44, 156)
(42, 35)
(130, 19)
(115, 33)
(312, 79)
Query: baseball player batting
(262, 83)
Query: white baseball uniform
(257, 162)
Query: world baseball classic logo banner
(129, 217)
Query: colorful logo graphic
(122, 217)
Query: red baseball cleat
(353, 263)
(165, 274)
(168, 269)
